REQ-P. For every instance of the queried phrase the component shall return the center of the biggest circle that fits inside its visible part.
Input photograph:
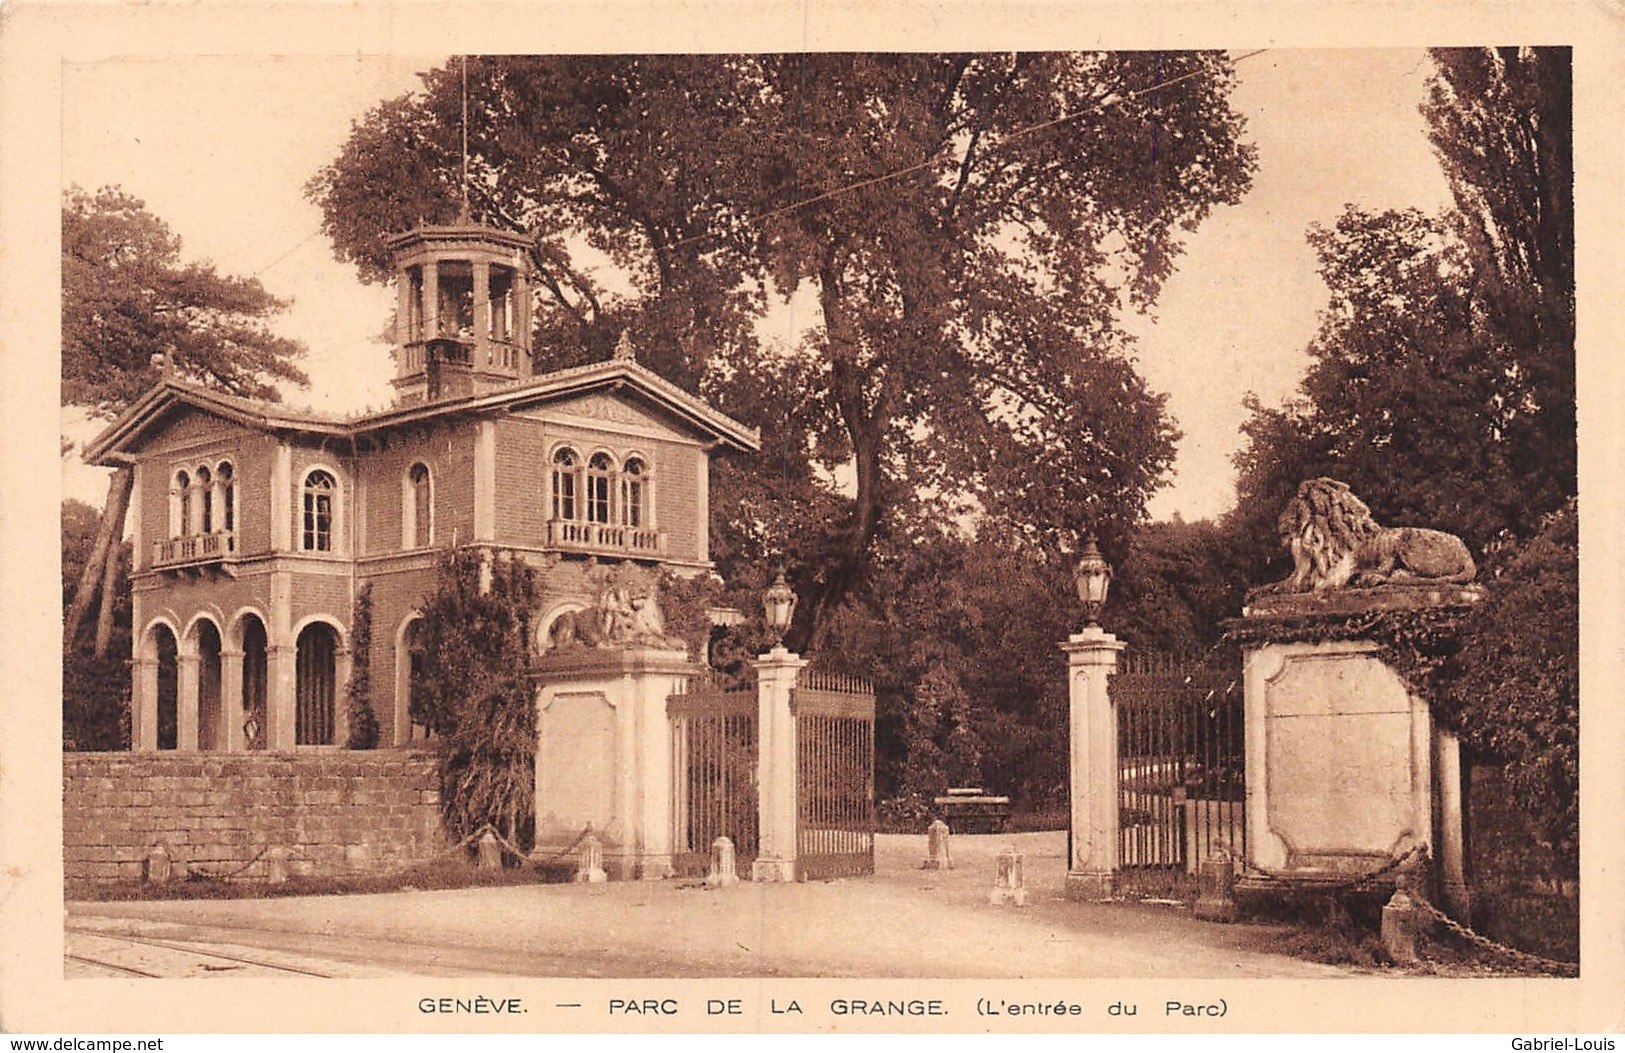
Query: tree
(95, 688)
(127, 296)
(969, 227)
(1441, 384)
(475, 691)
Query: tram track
(181, 948)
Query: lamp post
(776, 675)
(1093, 578)
(1092, 727)
(778, 607)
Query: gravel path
(902, 922)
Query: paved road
(902, 922)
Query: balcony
(604, 539)
(194, 550)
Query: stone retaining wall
(333, 812)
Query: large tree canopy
(967, 228)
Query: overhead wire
(919, 166)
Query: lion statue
(1336, 544)
(624, 616)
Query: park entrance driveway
(901, 922)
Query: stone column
(403, 312)
(1091, 658)
(144, 706)
(282, 499)
(482, 315)
(431, 300)
(520, 294)
(231, 700)
(485, 481)
(186, 702)
(1452, 862)
(343, 661)
(776, 766)
(281, 681)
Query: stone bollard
(157, 868)
(276, 866)
(1400, 920)
(1216, 889)
(590, 860)
(723, 872)
(1008, 885)
(938, 856)
(490, 852)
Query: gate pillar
(776, 674)
(1091, 659)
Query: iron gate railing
(835, 776)
(1181, 783)
(714, 738)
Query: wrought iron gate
(1181, 783)
(714, 771)
(835, 776)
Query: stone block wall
(333, 813)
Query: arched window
(320, 488)
(205, 500)
(566, 470)
(226, 484)
(181, 523)
(417, 521)
(315, 669)
(599, 470)
(634, 493)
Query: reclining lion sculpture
(1336, 544)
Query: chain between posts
(1484, 942)
(1359, 881)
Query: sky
(220, 148)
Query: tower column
(482, 314)
(431, 300)
(521, 319)
(403, 313)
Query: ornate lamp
(1093, 577)
(779, 606)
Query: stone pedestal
(1091, 659)
(938, 856)
(1009, 881)
(776, 674)
(604, 755)
(724, 871)
(1340, 753)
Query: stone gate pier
(1347, 770)
(604, 754)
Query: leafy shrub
(1517, 684)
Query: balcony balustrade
(604, 538)
(194, 549)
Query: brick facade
(334, 812)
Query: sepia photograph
(754, 533)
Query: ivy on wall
(363, 721)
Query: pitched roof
(116, 443)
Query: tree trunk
(95, 574)
(104, 613)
